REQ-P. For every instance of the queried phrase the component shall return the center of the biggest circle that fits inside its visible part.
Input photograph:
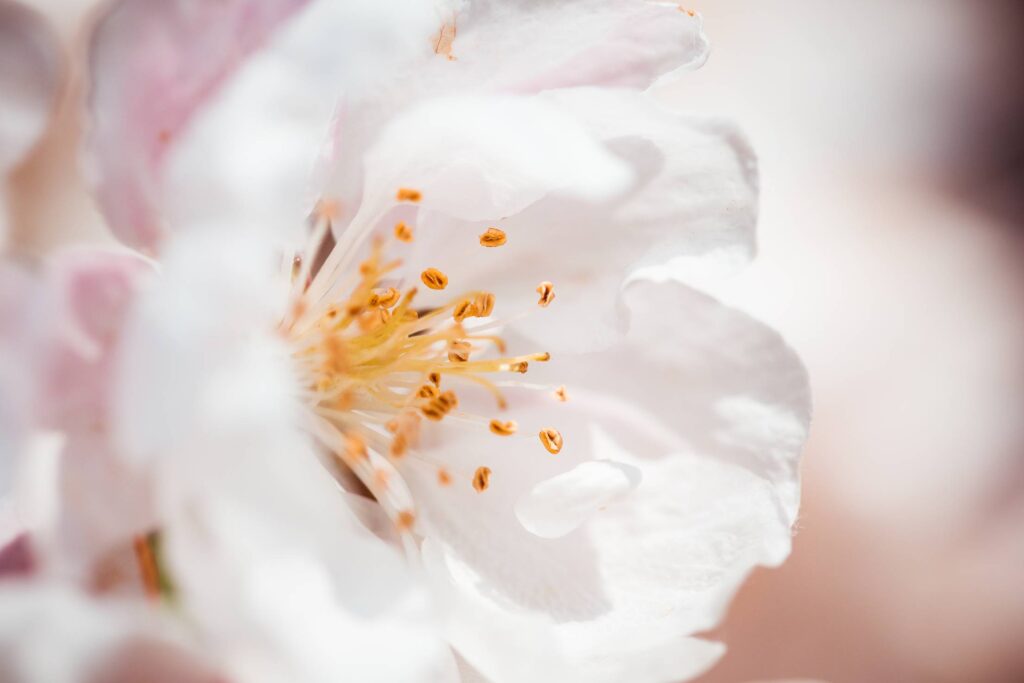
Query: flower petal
(260, 542)
(479, 157)
(533, 46)
(693, 203)
(154, 63)
(219, 110)
(30, 74)
(17, 298)
(711, 407)
(558, 505)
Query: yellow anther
(355, 447)
(493, 237)
(503, 428)
(434, 278)
(385, 298)
(444, 39)
(406, 194)
(561, 395)
(484, 304)
(521, 367)
(449, 400)
(403, 233)
(399, 445)
(458, 351)
(432, 411)
(551, 439)
(327, 209)
(435, 378)
(428, 391)
(463, 309)
(482, 479)
(547, 293)
(336, 359)
(443, 477)
(405, 520)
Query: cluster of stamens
(376, 365)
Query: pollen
(503, 428)
(552, 440)
(561, 395)
(458, 351)
(493, 237)
(434, 278)
(444, 39)
(547, 294)
(405, 520)
(481, 479)
(406, 194)
(403, 233)
(373, 366)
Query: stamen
(484, 304)
(561, 395)
(443, 477)
(458, 351)
(406, 194)
(547, 293)
(405, 521)
(503, 428)
(445, 37)
(403, 233)
(434, 278)
(148, 568)
(551, 439)
(493, 237)
(481, 479)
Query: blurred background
(892, 257)
(891, 138)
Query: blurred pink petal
(154, 63)
(30, 77)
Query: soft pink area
(90, 292)
(154, 63)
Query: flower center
(373, 366)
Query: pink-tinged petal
(533, 46)
(30, 75)
(87, 295)
(17, 303)
(154, 63)
(17, 558)
(104, 504)
(154, 661)
(710, 407)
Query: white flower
(580, 521)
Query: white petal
(220, 109)
(50, 634)
(693, 201)
(711, 407)
(478, 158)
(556, 506)
(274, 569)
(533, 46)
